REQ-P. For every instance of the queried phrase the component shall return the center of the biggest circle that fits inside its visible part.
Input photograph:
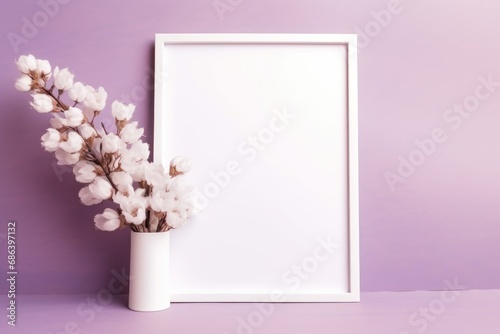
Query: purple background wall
(441, 223)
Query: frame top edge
(185, 38)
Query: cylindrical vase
(149, 267)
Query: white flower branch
(113, 165)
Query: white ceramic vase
(149, 267)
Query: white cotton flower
(42, 72)
(154, 175)
(136, 216)
(121, 111)
(138, 170)
(87, 197)
(122, 180)
(66, 158)
(181, 164)
(51, 140)
(77, 92)
(73, 117)
(86, 131)
(184, 207)
(130, 133)
(179, 186)
(123, 196)
(63, 79)
(73, 143)
(135, 195)
(95, 99)
(125, 191)
(111, 143)
(138, 151)
(174, 220)
(24, 83)
(101, 188)
(162, 201)
(42, 103)
(182, 210)
(25, 64)
(84, 171)
(109, 220)
(43, 68)
(134, 159)
(133, 206)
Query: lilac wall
(427, 57)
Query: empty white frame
(270, 121)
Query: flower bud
(87, 131)
(122, 112)
(73, 143)
(63, 79)
(130, 133)
(43, 68)
(101, 188)
(84, 171)
(24, 83)
(111, 143)
(109, 220)
(77, 92)
(95, 99)
(42, 103)
(25, 64)
(180, 165)
(74, 117)
(51, 140)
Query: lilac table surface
(471, 311)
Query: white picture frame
(270, 121)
